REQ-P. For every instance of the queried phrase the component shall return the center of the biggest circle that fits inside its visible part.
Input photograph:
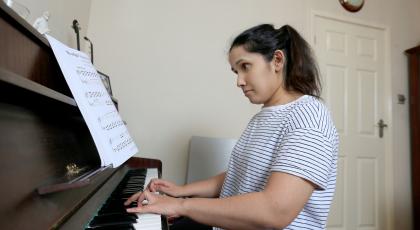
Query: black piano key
(132, 215)
(113, 227)
(113, 219)
(109, 212)
(116, 207)
(112, 210)
(116, 223)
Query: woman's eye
(246, 66)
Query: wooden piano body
(42, 132)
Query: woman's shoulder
(310, 113)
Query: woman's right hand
(165, 187)
(156, 185)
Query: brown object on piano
(44, 140)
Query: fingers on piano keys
(113, 215)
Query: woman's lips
(248, 91)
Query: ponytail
(301, 70)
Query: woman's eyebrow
(239, 61)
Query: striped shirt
(298, 138)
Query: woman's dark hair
(301, 72)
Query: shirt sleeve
(305, 153)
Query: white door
(351, 60)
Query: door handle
(381, 125)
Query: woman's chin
(255, 101)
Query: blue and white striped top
(298, 138)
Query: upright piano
(49, 175)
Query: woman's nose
(240, 81)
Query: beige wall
(62, 14)
(168, 68)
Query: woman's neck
(283, 97)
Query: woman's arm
(209, 188)
(275, 207)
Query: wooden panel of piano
(42, 133)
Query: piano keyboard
(113, 215)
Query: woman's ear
(279, 60)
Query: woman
(282, 171)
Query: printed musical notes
(95, 94)
(88, 77)
(111, 136)
(120, 141)
(108, 121)
(97, 98)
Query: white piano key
(151, 173)
(148, 222)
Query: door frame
(388, 106)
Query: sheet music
(109, 132)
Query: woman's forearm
(248, 211)
(206, 188)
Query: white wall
(62, 14)
(168, 68)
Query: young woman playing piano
(282, 171)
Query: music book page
(108, 130)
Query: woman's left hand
(158, 204)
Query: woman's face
(260, 81)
